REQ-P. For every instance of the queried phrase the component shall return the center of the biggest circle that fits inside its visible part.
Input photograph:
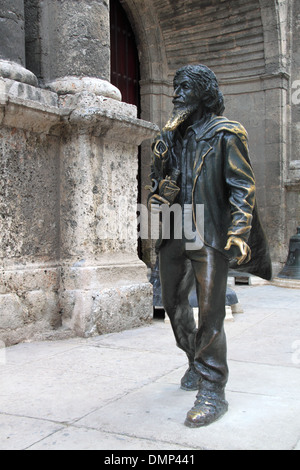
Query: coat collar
(217, 124)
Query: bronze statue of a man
(201, 159)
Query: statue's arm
(240, 181)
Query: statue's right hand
(154, 207)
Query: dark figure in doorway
(200, 159)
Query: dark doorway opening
(125, 70)
(125, 67)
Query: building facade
(75, 153)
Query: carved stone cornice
(43, 111)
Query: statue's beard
(179, 116)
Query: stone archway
(155, 87)
(153, 63)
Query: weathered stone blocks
(68, 248)
(107, 309)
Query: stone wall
(225, 35)
(69, 261)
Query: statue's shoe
(205, 411)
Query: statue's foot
(190, 380)
(205, 411)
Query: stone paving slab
(121, 391)
(158, 411)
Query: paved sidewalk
(121, 391)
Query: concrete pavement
(121, 391)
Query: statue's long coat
(223, 181)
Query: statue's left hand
(243, 248)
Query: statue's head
(206, 87)
(195, 87)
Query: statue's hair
(207, 85)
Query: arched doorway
(125, 67)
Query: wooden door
(124, 55)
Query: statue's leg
(211, 270)
(177, 280)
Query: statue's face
(185, 93)
(186, 101)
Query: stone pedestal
(104, 284)
(29, 224)
(68, 251)
(12, 43)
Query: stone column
(76, 48)
(12, 43)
